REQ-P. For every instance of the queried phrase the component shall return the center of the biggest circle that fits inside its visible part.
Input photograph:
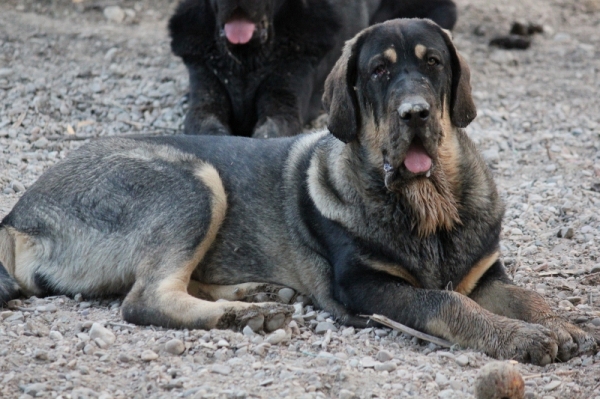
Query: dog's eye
(379, 71)
(433, 61)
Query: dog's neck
(431, 204)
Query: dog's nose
(414, 111)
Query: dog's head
(400, 89)
(245, 22)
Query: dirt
(68, 74)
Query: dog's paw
(572, 341)
(526, 343)
(265, 316)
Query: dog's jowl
(392, 211)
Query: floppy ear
(339, 98)
(462, 107)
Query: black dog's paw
(276, 127)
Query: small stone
(89, 349)
(221, 369)
(247, 331)
(346, 394)
(114, 14)
(55, 335)
(222, 344)
(262, 349)
(286, 294)
(148, 355)
(323, 326)
(6, 314)
(596, 321)
(575, 300)
(386, 366)
(552, 385)
(17, 186)
(34, 389)
(78, 298)
(441, 379)
(462, 360)
(42, 142)
(384, 356)
(368, 362)
(595, 269)
(124, 358)
(47, 308)
(4, 72)
(98, 331)
(41, 355)
(276, 337)
(175, 347)
(565, 304)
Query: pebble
(323, 326)
(384, 356)
(17, 186)
(596, 321)
(276, 337)
(552, 385)
(148, 355)
(35, 389)
(220, 369)
(114, 14)
(462, 360)
(41, 354)
(385, 366)
(347, 394)
(248, 332)
(441, 379)
(175, 347)
(368, 362)
(99, 332)
(42, 142)
(55, 335)
(47, 308)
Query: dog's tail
(9, 288)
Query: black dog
(393, 212)
(257, 67)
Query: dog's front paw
(525, 342)
(265, 316)
(572, 341)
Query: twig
(401, 327)
(564, 372)
(114, 324)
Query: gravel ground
(68, 73)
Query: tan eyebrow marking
(391, 55)
(420, 51)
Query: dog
(257, 67)
(392, 211)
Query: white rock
(148, 355)
(175, 347)
(462, 360)
(276, 337)
(98, 331)
(114, 14)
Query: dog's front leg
(496, 293)
(283, 99)
(446, 314)
(209, 111)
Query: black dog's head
(397, 85)
(243, 22)
(399, 90)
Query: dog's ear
(462, 107)
(339, 98)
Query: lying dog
(257, 67)
(393, 212)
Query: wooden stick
(401, 327)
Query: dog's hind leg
(160, 293)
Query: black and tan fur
(337, 215)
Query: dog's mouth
(239, 29)
(417, 163)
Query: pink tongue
(239, 31)
(417, 160)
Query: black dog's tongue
(239, 30)
(417, 160)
